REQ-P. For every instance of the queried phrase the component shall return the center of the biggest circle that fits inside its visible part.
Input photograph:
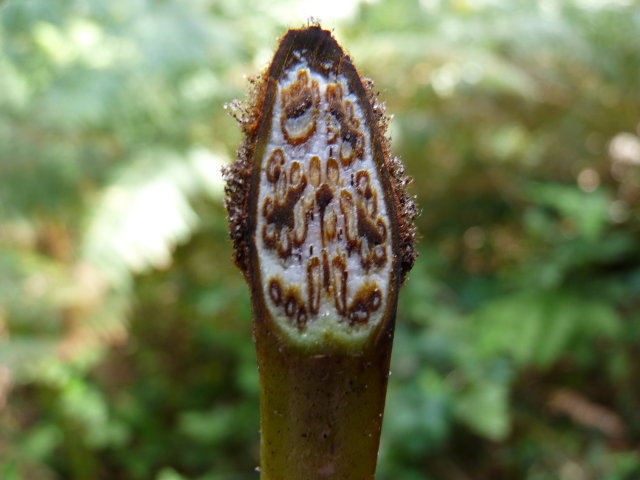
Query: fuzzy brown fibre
(237, 175)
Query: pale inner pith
(322, 228)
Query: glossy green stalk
(321, 414)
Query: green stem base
(321, 414)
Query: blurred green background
(125, 331)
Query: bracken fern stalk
(323, 231)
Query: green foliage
(125, 335)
